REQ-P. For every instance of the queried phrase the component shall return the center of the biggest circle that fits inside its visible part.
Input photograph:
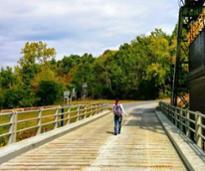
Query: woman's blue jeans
(117, 122)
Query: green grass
(34, 122)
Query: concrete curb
(10, 151)
(192, 156)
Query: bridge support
(187, 13)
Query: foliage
(45, 74)
(7, 78)
(141, 69)
(48, 92)
(36, 52)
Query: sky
(79, 26)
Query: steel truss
(189, 11)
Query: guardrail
(192, 124)
(16, 126)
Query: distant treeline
(140, 69)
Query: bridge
(155, 135)
(149, 141)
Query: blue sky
(79, 26)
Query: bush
(48, 92)
(12, 97)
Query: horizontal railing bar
(203, 126)
(48, 116)
(49, 123)
(27, 120)
(203, 137)
(202, 115)
(53, 108)
(26, 129)
(60, 116)
(192, 121)
(73, 116)
(28, 111)
(5, 134)
(183, 124)
(38, 110)
(6, 114)
(5, 124)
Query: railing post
(171, 114)
(39, 121)
(84, 111)
(56, 117)
(100, 108)
(62, 116)
(168, 112)
(181, 120)
(78, 113)
(91, 109)
(198, 130)
(187, 124)
(88, 110)
(13, 127)
(175, 117)
(68, 115)
(96, 109)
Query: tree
(82, 73)
(49, 92)
(12, 97)
(137, 70)
(36, 52)
(45, 74)
(67, 63)
(36, 55)
(7, 78)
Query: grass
(32, 120)
(48, 116)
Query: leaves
(140, 69)
(36, 52)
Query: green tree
(36, 57)
(140, 69)
(67, 63)
(12, 97)
(49, 92)
(36, 52)
(82, 73)
(7, 78)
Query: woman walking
(118, 112)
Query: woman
(118, 112)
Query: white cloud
(78, 26)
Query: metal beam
(187, 14)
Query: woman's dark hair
(116, 101)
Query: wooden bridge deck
(142, 145)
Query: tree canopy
(140, 69)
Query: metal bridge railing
(16, 126)
(192, 124)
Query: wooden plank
(142, 145)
